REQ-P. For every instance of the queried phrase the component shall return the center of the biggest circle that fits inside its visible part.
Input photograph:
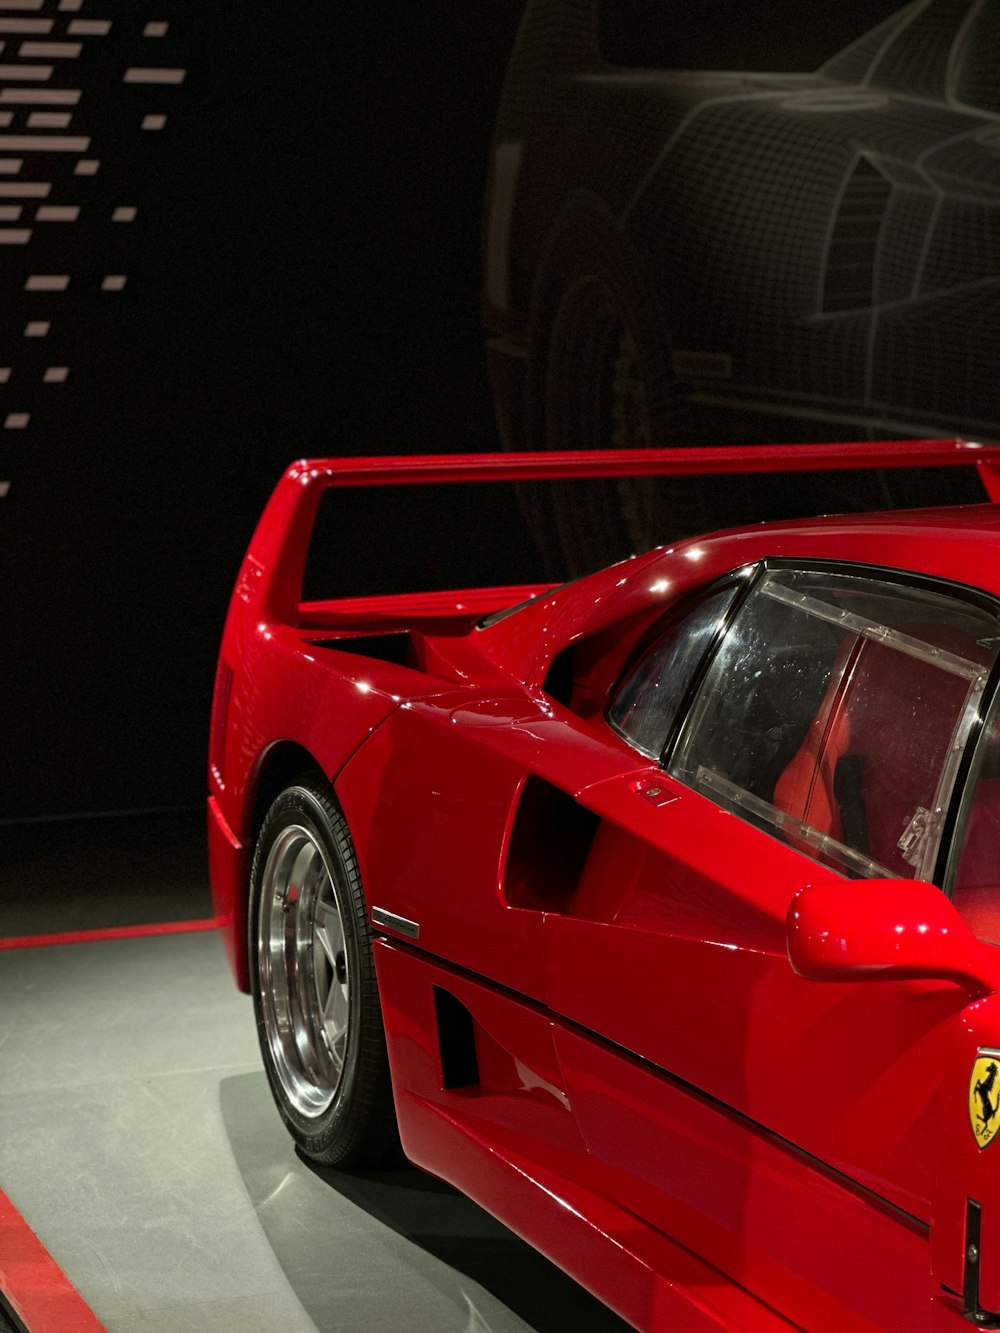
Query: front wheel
(312, 974)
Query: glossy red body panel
(704, 1137)
(685, 927)
(229, 873)
(726, 1191)
(836, 930)
(965, 1170)
(514, 1147)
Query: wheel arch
(280, 764)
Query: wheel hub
(304, 971)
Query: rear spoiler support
(274, 567)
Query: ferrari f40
(658, 912)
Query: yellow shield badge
(984, 1096)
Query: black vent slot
(559, 681)
(384, 647)
(851, 258)
(456, 1040)
(549, 845)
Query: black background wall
(303, 274)
(303, 277)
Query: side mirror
(889, 929)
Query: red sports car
(658, 911)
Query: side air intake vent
(549, 843)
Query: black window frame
(960, 806)
(664, 626)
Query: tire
(312, 974)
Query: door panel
(828, 727)
(756, 1209)
(668, 940)
(674, 948)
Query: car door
(783, 1128)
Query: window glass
(646, 706)
(835, 715)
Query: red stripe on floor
(36, 1289)
(111, 933)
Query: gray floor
(138, 1139)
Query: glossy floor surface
(138, 1139)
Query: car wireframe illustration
(682, 255)
(657, 912)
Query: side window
(835, 715)
(646, 705)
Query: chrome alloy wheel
(305, 984)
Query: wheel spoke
(298, 872)
(335, 1010)
(329, 930)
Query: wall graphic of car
(680, 256)
(659, 911)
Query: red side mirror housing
(890, 929)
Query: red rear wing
(274, 567)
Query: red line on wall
(34, 1286)
(111, 933)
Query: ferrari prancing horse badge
(984, 1097)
